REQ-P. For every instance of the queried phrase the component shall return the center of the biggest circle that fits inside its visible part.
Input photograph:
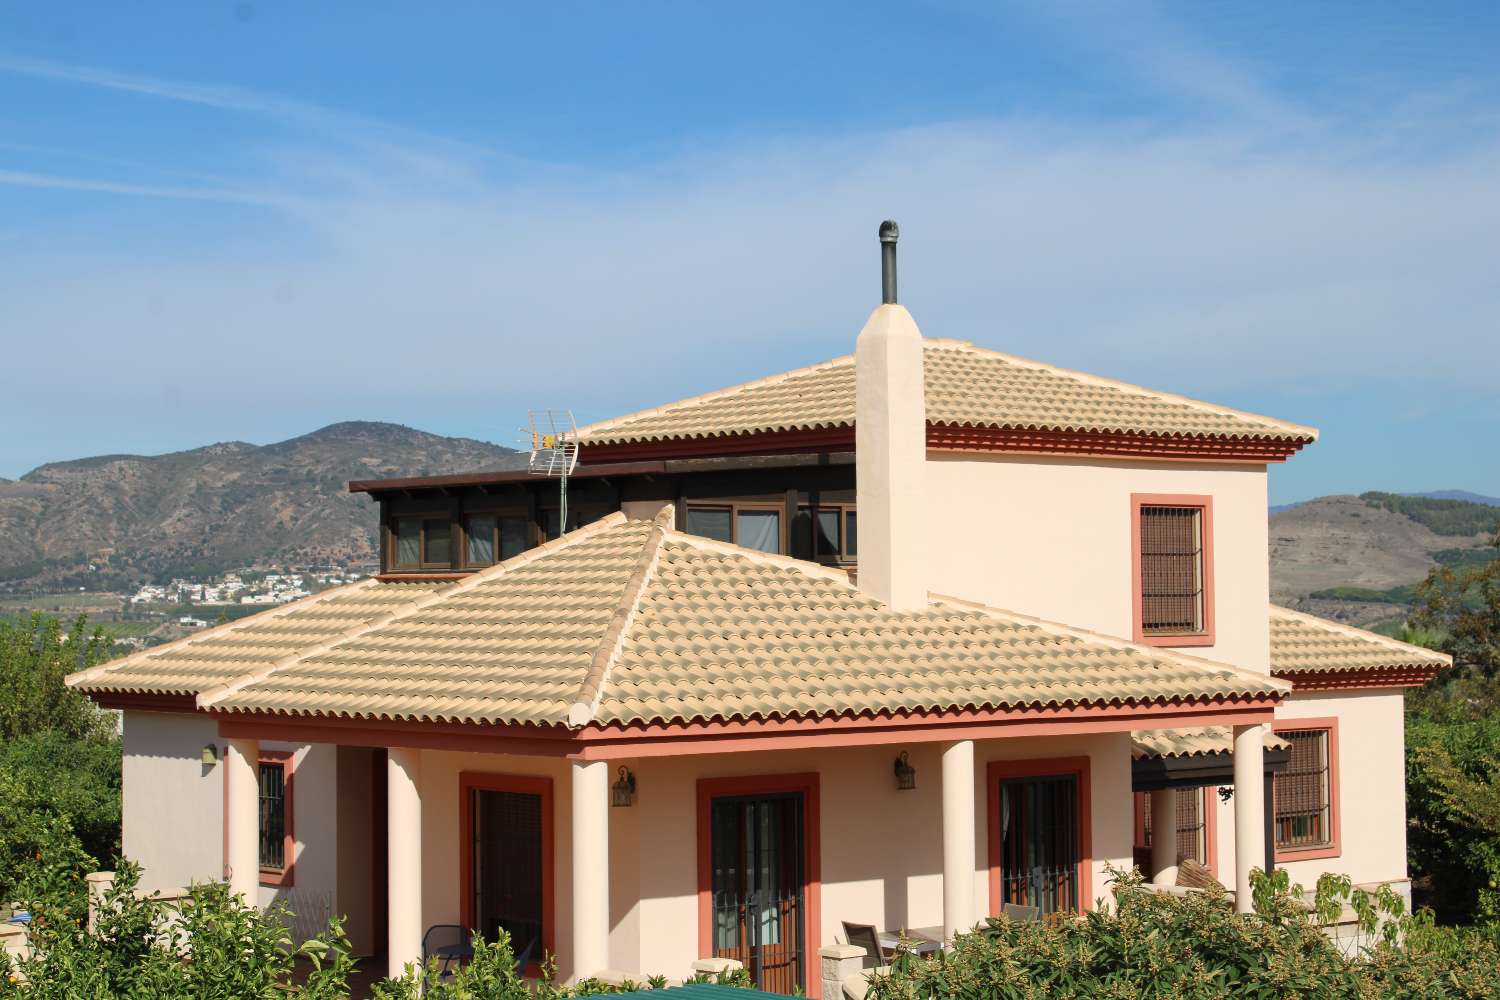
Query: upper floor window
(1306, 793)
(826, 533)
(490, 538)
(754, 526)
(577, 518)
(423, 543)
(1172, 540)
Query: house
(896, 639)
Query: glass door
(758, 851)
(508, 866)
(1039, 842)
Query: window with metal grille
(1172, 570)
(273, 815)
(1304, 803)
(1191, 829)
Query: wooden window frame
(1334, 848)
(523, 784)
(1205, 505)
(735, 506)
(499, 514)
(596, 509)
(843, 558)
(287, 760)
(812, 889)
(456, 538)
(1042, 767)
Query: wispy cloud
(21, 178)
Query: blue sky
(241, 221)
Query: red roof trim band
(1358, 680)
(952, 437)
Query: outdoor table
(919, 940)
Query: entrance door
(508, 872)
(1039, 842)
(758, 878)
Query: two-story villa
(896, 639)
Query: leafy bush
(1453, 805)
(1195, 947)
(210, 946)
(492, 975)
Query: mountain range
(118, 520)
(134, 517)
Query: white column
(958, 839)
(243, 817)
(1164, 836)
(403, 775)
(590, 868)
(1249, 811)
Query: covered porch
(698, 849)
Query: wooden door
(759, 886)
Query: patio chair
(524, 955)
(449, 944)
(1022, 914)
(865, 936)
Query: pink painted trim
(525, 784)
(283, 876)
(1042, 767)
(1334, 847)
(1211, 829)
(812, 890)
(739, 737)
(660, 739)
(1204, 504)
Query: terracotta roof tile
(1303, 643)
(221, 654)
(965, 386)
(631, 621)
(1191, 742)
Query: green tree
(1463, 603)
(34, 658)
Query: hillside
(216, 507)
(1356, 558)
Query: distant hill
(1463, 495)
(217, 507)
(1357, 558)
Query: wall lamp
(622, 792)
(210, 755)
(906, 775)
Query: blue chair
(449, 944)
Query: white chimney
(890, 441)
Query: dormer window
(488, 536)
(754, 526)
(828, 533)
(1172, 569)
(422, 543)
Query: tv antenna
(554, 453)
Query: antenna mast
(554, 453)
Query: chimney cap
(889, 231)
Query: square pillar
(958, 839)
(590, 781)
(403, 859)
(1249, 810)
(242, 814)
(1164, 836)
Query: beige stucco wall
(881, 849)
(173, 810)
(1372, 787)
(1051, 538)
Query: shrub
(1194, 947)
(210, 946)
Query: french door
(759, 905)
(508, 871)
(1039, 842)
